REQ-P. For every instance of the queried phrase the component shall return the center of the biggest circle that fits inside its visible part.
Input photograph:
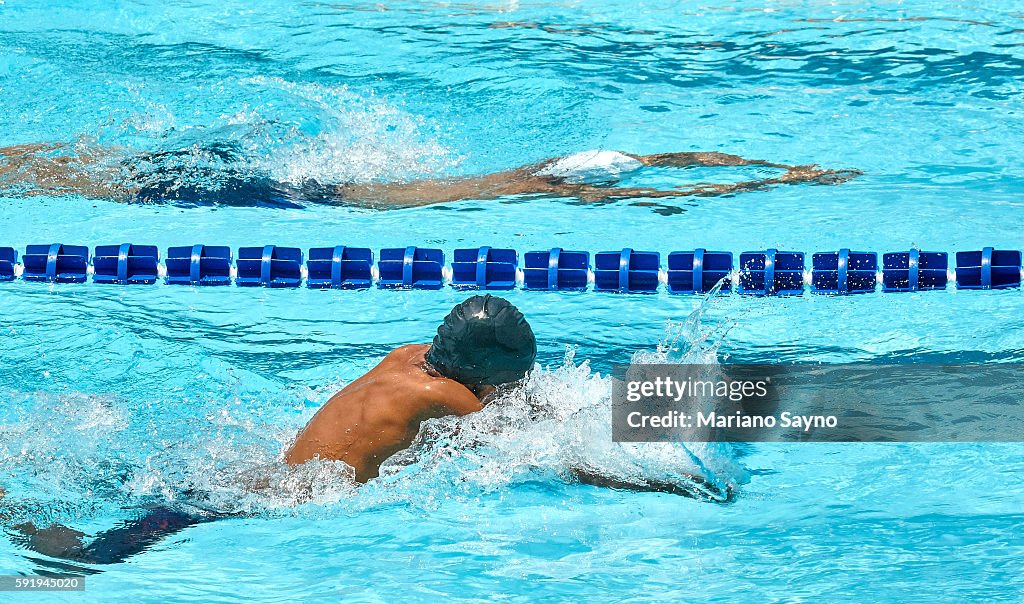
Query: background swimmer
(590, 176)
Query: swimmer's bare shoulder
(379, 413)
(430, 390)
(402, 379)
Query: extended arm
(111, 546)
(686, 159)
(60, 169)
(690, 486)
(809, 174)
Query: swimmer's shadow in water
(664, 209)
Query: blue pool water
(115, 397)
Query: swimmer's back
(379, 414)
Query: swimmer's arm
(795, 175)
(5, 513)
(428, 191)
(687, 159)
(8, 509)
(61, 168)
(690, 486)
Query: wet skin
(380, 413)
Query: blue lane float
(411, 268)
(914, 270)
(126, 264)
(627, 271)
(988, 269)
(484, 268)
(339, 267)
(844, 272)
(198, 265)
(269, 266)
(698, 271)
(55, 263)
(8, 260)
(771, 273)
(556, 269)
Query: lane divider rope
(769, 272)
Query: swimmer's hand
(5, 512)
(691, 486)
(806, 174)
(813, 174)
(56, 541)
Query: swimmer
(484, 345)
(190, 176)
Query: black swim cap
(484, 340)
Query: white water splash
(294, 133)
(357, 139)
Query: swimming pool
(114, 397)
